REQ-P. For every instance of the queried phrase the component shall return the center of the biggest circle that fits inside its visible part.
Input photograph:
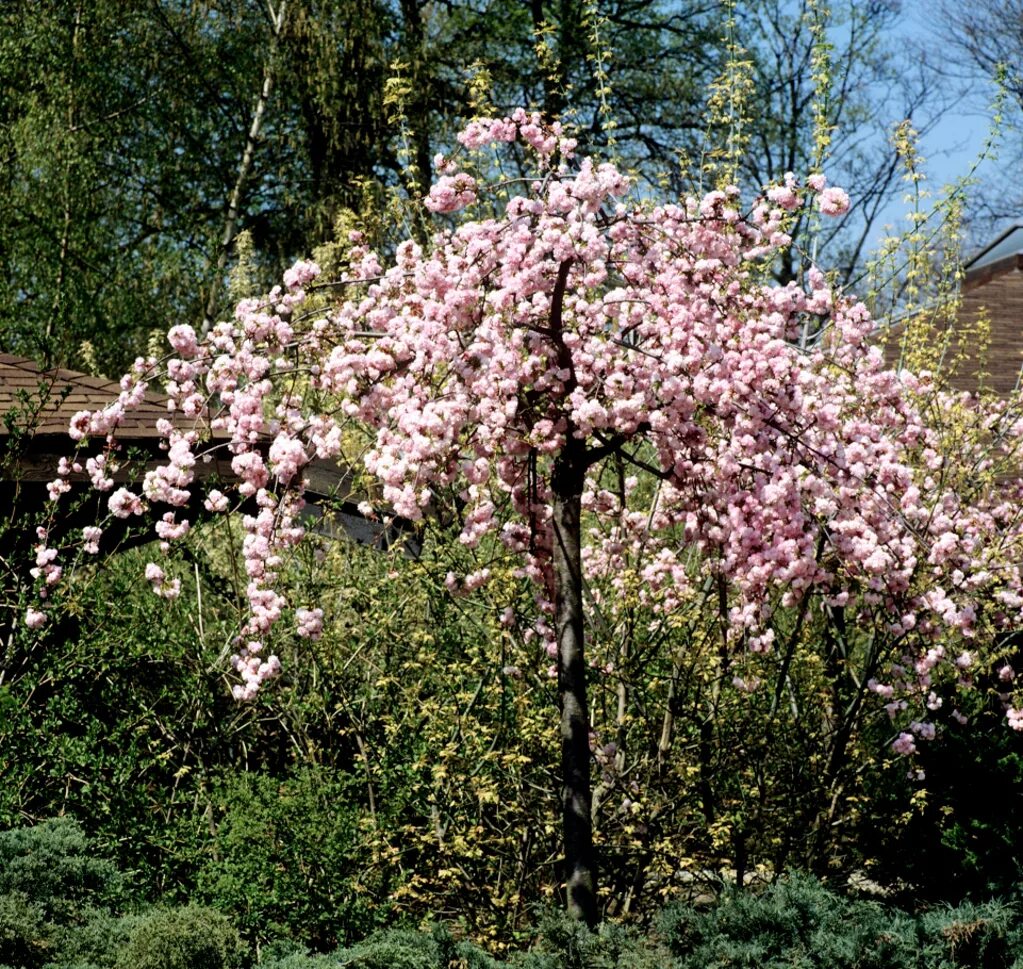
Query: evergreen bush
(796, 924)
(393, 949)
(24, 939)
(94, 945)
(410, 949)
(191, 937)
(968, 936)
(55, 868)
(287, 954)
(287, 860)
(564, 943)
(56, 897)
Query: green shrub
(287, 859)
(56, 897)
(564, 943)
(409, 949)
(24, 936)
(288, 954)
(795, 924)
(117, 716)
(57, 910)
(94, 945)
(182, 938)
(299, 960)
(56, 869)
(967, 937)
(393, 949)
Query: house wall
(998, 296)
(971, 361)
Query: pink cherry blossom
(833, 201)
(183, 339)
(451, 193)
(574, 326)
(300, 274)
(35, 619)
(123, 504)
(216, 501)
(58, 487)
(91, 535)
(309, 623)
(904, 744)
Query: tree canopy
(608, 388)
(140, 141)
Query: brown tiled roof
(44, 401)
(41, 403)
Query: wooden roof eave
(45, 401)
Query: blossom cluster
(648, 332)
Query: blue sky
(955, 141)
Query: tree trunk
(580, 864)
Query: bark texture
(580, 860)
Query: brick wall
(994, 293)
(997, 292)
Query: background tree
(984, 42)
(139, 140)
(828, 89)
(132, 160)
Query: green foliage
(123, 132)
(298, 960)
(24, 939)
(288, 858)
(184, 938)
(795, 923)
(56, 899)
(393, 949)
(93, 945)
(409, 949)
(123, 129)
(564, 943)
(287, 954)
(116, 714)
(798, 924)
(968, 936)
(59, 907)
(53, 867)
(960, 837)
